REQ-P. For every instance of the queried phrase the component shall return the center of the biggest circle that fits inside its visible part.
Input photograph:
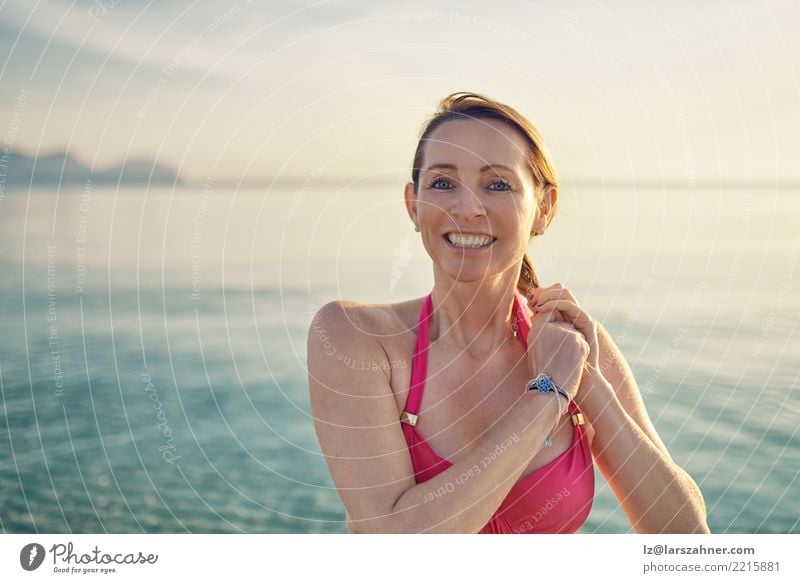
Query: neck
(473, 317)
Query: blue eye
(504, 183)
(438, 180)
(436, 183)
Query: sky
(679, 91)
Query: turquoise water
(152, 355)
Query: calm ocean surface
(127, 314)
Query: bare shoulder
(377, 316)
(383, 322)
(356, 333)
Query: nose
(467, 204)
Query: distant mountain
(61, 168)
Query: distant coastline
(18, 170)
(61, 168)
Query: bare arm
(463, 498)
(357, 424)
(656, 494)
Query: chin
(465, 274)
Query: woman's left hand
(564, 307)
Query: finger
(554, 315)
(535, 301)
(538, 320)
(543, 294)
(567, 327)
(543, 317)
(557, 316)
(556, 287)
(574, 314)
(561, 312)
(569, 309)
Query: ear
(544, 208)
(411, 202)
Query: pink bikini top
(555, 498)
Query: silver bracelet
(548, 442)
(544, 383)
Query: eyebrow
(483, 168)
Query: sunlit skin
(475, 179)
(487, 188)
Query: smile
(469, 241)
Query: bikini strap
(419, 362)
(522, 319)
(419, 365)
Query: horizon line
(581, 181)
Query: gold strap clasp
(577, 419)
(409, 418)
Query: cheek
(517, 215)
(430, 211)
(518, 231)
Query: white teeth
(473, 241)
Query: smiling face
(476, 205)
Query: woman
(523, 390)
